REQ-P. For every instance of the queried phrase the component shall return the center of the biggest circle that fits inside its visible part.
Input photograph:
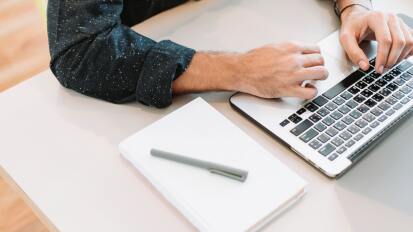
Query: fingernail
(381, 69)
(363, 65)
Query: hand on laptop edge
(394, 37)
(271, 71)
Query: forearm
(210, 71)
(345, 7)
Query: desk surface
(60, 148)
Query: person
(95, 52)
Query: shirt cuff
(163, 63)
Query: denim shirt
(94, 51)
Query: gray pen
(233, 173)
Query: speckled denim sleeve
(94, 53)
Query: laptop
(353, 110)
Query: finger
(304, 92)
(311, 73)
(398, 41)
(408, 36)
(307, 48)
(353, 50)
(379, 25)
(310, 60)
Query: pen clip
(233, 175)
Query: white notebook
(212, 202)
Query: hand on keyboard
(394, 37)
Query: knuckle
(400, 42)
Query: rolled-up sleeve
(93, 53)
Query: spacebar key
(344, 84)
(300, 128)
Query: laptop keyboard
(353, 108)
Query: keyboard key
(375, 75)
(331, 106)
(301, 127)
(350, 143)
(339, 100)
(353, 129)
(346, 95)
(361, 85)
(359, 98)
(388, 77)
(392, 86)
(385, 92)
(355, 114)
(353, 90)
(295, 118)
(376, 112)
(336, 115)
(337, 141)
(373, 62)
(344, 84)
(374, 124)
(348, 120)
(328, 121)
(344, 109)
(374, 87)
(320, 101)
(363, 109)
(308, 135)
(340, 126)
(362, 123)
(406, 76)
(320, 127)
(366, 130)
(301, 111)
(381, 82)
(405, 100)
(333, 157)
(352, 104)
(331, 132)
(341, 150)
(358, 137)
(315, 144)
(370, 103)
(404, 66)
(390, 112)
(311, 107)
(410, 83)
(384, 106)
(406, 89)
(284, 123)
(327, 149)
(398, 95)
(315, 118)
(398, 106)
(345, 135)
(323, 138)
(366, 93)
(382, 118)
(323, 112)
(368, 79)
(369, 117)
(399, 81)
(377, 97)
(391, 100)
(371, 68)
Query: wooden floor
(23, 53)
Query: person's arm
(272, 71)
(93, 53)
(360, 22)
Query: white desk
(60, 148)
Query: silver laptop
(352, 112)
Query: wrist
(351, 11)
